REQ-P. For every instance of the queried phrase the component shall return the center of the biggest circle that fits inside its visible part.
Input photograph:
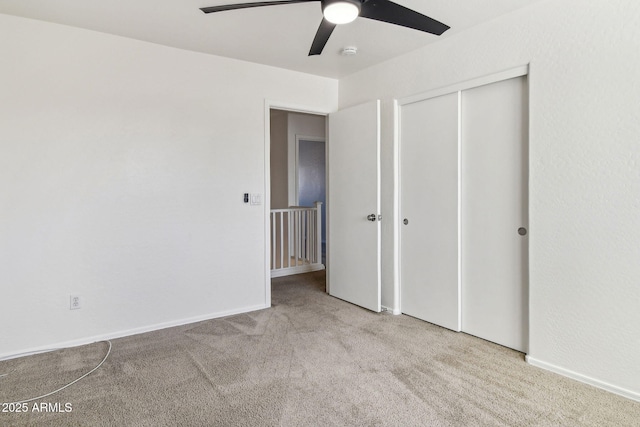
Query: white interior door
(429, 210)
(494, 206)
(353, 195)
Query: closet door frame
(523, 70)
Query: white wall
(584, 176)
(122, 168)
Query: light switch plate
(256, 199)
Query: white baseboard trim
(129, 332)
(584, 378)
(390, 310)
(280, 272)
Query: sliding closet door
(494, 206)
(429, 210)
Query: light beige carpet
(310, 360)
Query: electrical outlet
(75, 302)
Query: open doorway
(298, 192)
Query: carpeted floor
(310, 360)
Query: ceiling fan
(336, 12)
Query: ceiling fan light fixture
(343, 11)
(340, 11)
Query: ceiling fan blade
(393, 13)
(224, 7)
(322, 36)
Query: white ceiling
(277, 35)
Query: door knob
(522, 231)
(372, 217)
(405, 221)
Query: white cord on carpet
(72, 382)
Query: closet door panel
(429, 210)
(494, 206)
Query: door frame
(523, 70)
(270, 104)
